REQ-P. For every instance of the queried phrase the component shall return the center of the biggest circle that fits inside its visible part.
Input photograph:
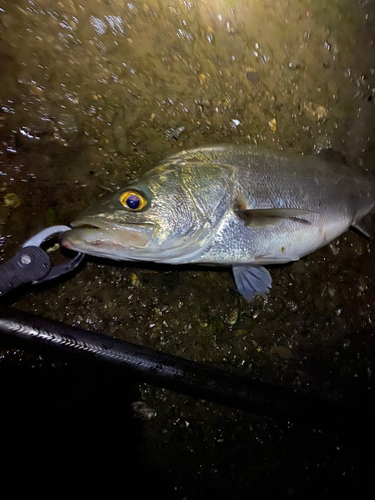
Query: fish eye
(132, 200)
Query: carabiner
(32, 264)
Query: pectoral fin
(268, 216)
(252, 281)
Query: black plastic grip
(28, 264)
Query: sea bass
(227, 205)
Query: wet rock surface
(92, 94)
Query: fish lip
(116, 235)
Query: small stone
(335, 248)
(283, 352)
(316, 110)
(12, 200)
(143, 411)
(228, 27)
(233, 317)
(239, 332)
(291, 305)
(252, 75)
(202, 78)
(273, 125)
(135, 281)
(174, 133)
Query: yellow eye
(133, 201)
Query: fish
(238, 206)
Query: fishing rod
(142, 364)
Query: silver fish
(227, 205)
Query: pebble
(252, 75)
(316, 110)
(283, 352)
(233, 317)
(135, 281)
(143, 411)
(273, 124)
(12, 200)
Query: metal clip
(32, 264)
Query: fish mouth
(102, 237)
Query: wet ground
(92, 94)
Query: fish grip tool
(32, 264)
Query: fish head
(167, 216)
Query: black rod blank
(79, 346)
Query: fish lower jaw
(96, 248)
(88, 234)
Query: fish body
(228, 205)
